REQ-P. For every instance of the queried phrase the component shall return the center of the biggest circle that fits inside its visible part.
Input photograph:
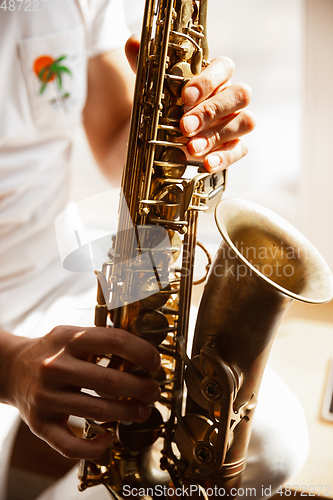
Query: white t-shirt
(37, 124)
(39, 112)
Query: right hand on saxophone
(215, 118)
(45, 377)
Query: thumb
(132, 50)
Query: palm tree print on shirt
(51, 70)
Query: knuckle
(60, 330)
(243, 93)
(211, 82)
(49, 368)
(216, 136)
(59, 336)
(118, 337)
(52, 336)
(55, 331)
(110, 381)
(38, 396)
(73, 337)
(99, 411)
(210, 110)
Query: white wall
(317, 160)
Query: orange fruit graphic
(41, 63)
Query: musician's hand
(46, 377)
(216, 119)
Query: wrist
(11, 347)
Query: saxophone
(198, 433)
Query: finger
(219, 71)
(131, 50)
(61, 438)
(225, 131)
(96, 408)
(226, 155)
(223, 104)
(101, 341)
(103, 380)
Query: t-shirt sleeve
(108, 27)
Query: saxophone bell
(262, 265)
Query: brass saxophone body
(197, 435)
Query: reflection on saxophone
(198, 433)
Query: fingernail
(144, 412)
(191, 95)
(199, 145)
(214, 161)
(191, 124)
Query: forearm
(111, 157)
(10, 345)
(108, 110)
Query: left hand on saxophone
(215, 118)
